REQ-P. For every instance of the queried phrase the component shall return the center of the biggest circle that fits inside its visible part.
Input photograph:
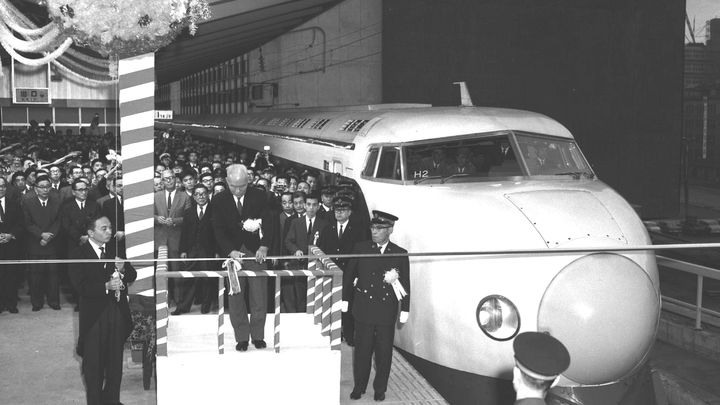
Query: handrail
(680, 307)
(324, 296)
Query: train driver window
(389, 167)
(371, 162)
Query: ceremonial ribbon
(118, 275)
(399, 290)
(233, 266)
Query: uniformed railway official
(378, 287)
(539, 360)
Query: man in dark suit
(325, 210)
(197, 241)
(375, 305)
(340, 238)
(304, 231)
(113, 209)
(235, 236)
(42, 224)
(105, 321)
(74, 213)
(10, 228)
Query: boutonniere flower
(253, 225)
(392, 277)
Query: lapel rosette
(392, 277)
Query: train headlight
(498, 317)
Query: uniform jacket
(374, 300)
(12, 224)
(39, 220)
(330, 244)
(297, 238)
(89, 281)
(164, 234)
(72, 220)
(227, 221)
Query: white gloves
(404, 316)
(344, 306)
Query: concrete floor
(38, 364)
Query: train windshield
(552, 156)
(482, 158)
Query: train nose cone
(604, 308)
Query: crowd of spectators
(75, 176)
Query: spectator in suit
(197, 241)
(285, 216)
(375, 305)
(326, 204)
(73, 219)
(231, 210)
(462, 164)
(207, 180)
(105, 321)
(303, 232)
(340, 238)
(66, 193)
(42, 224)
(114, 210)
(11, 225)
(539, 360)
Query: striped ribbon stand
(317, 305)
(161, 304)
(221, 315)
(137, 114)
(277, 314)
(336, 314)
(326, 305)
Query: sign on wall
(27, 95)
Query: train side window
(371, 162)
(389, 167)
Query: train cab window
(545, 156)
(389, 166)
(470, 158)
(371, 162)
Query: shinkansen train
(466, 179)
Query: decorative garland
(126, 28)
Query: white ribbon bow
(393, 278)
(233, 266)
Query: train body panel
(466, 309)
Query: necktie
(169, 203)
(43, 203)
(239, 207)
(102, 252)
(201, 213)
(309, 230)
(82, 205)
(2, 212)
(340, 232)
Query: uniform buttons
(371, 297)
(365, 291)
(371, 285)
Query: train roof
(383, 122)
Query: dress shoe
(350, 342)
(355, 394)
(13, 310)
(205, 308)
(55, 307)
(242, 346)
(177, 312)
(35, 309)
(259, 344)
(379, 396)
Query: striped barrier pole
(326, 305)
(137, 119)
(161, 305)
(317, 305)
(310, 295)
(336, 314)
(221, 315)
(277, 314)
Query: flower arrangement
(126, 28)
(144, 331)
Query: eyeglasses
(43, 187)
(81, 189)
(200, 194)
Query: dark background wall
(609, 70)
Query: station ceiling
(236, 27)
